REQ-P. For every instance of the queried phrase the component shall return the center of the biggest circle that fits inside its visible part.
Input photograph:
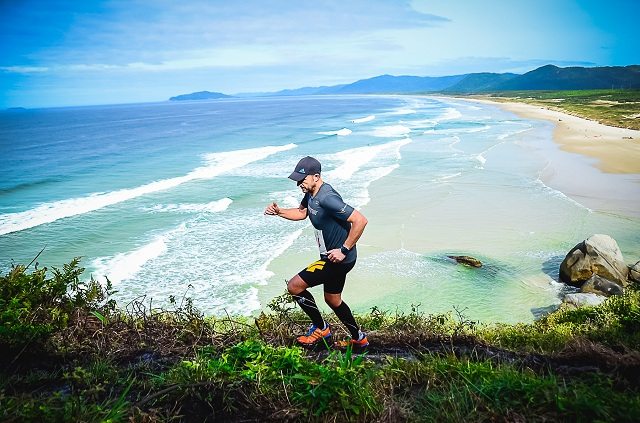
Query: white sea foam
(215, 164)
(361, 166)
(355, 158)
(124, 266)
(400, 263)
(362, 198)
(249, 303)
(452, 144)
(341, 132)
(449, 113)
(447, 177)
(561, 195)
(458, 130)
(391, 131)
(262, 274)
(212, 207)
(419, 123)
(364, 119)
(403, 111)
(481, 156)
(221, 260)
(466, 105)
(510, 134)
(289, 198)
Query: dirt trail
(576, 359)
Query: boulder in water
(467, 260)
(599, 255)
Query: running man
(338, 227)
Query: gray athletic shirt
(328, 215)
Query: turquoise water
(167, 199)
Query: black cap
(306, 166)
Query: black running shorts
(332, 275)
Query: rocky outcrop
(601, 286)
(634, 272)
(597, 255)
(581, 299)
(467, 260)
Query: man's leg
(298, 289)
(342, 310)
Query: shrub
(278, 377)
(35, 305)
(616, 322)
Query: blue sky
(59, 53)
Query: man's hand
(335, 255)
(272, 209)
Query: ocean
(167, 199)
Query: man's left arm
(358, 223)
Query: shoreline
(617, 150)
(596, 165)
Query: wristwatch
(344, 250)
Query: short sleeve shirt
(328, 214)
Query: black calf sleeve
(308, 305)
(346, 317)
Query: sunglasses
(302, 180)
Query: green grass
(454, 389)
(340, 383)
(101, 363)
(619, 108)
(614, 324)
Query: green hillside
(551, 77)
(71, 354)
(619, 108)
(479, 82)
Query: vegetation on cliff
(620, 108)
(74, 355)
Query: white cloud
(245, 56)
(216, 58)
(24, 69)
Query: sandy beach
(617, 150)
(609, 178)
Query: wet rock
(601, 286)
(467, 260)
(634, 272)
(599, 255)
(539, 312)
(581, 299)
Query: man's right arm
(299, 213)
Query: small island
(200, 95)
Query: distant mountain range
(200, 95)
(547, 77)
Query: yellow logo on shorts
(318, 265)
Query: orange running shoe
(314, 335)
(361, 343)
